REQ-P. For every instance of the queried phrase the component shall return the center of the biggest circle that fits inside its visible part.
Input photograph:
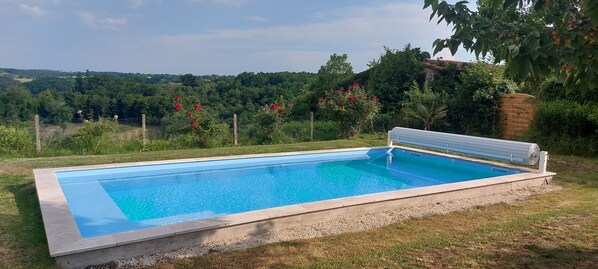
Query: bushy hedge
(567, 127)
(91, 134)
(552, 90)
(298, 131)
(291, 132)
(15, 140)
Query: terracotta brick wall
(516, 113)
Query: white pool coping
(72, 251)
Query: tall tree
(331, 76)
(333, 73)
(79, 85)
(17, 104)
(394, 73)
(189, 80)
(533, 37)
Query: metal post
(235, 136)
(143, 131)
(38, 140)
(543, 161)
(311, 126)
(388, 140)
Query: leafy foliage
(56, 84)
(473, 107)
(266, 123)
(89, 136)
(446, 81)
(534, 37)
(351, 108)
(336, 71)
(189, 80)
(567, 118)
(15, 140)
(393, 74)
(17, 104)
(298, 131)
(567, 127)
(424, 109)
(552, 89)
(192, 123)
(333, 73)
(52, 109)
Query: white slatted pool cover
(498, 149)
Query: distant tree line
(91, 95)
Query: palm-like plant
(430, 116)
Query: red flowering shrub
(189, 118)
(267, 121)
(351, 108)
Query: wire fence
(49, 135)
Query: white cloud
(31, 10)
(359, 31)
(228, 3)
(369, 26)
(101, 23)
(136, 3)
(256, 19)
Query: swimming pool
(107, 201)
(101, 213)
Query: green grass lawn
(551, 230)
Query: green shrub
(220, 136)
(191, 124)
(60, 140)
(382, 122)
(89, 136)
(15, 140)
(566, 127)
(566, 118)
(326, 130)
(351, 108)
(265, 126)
(298, 131)
(159, 144)
(473, 108)
(552, 90)
(424, 109)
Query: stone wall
(516, 113)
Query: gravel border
(333, 226)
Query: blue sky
(208, 36)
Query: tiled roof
(440, 65)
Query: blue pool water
(107, 201)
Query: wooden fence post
(235, 135)
(38, 140)
(143, 131)
(311, 126)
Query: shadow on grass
(567, 256)
(27, 229)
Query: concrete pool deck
(72, 251)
